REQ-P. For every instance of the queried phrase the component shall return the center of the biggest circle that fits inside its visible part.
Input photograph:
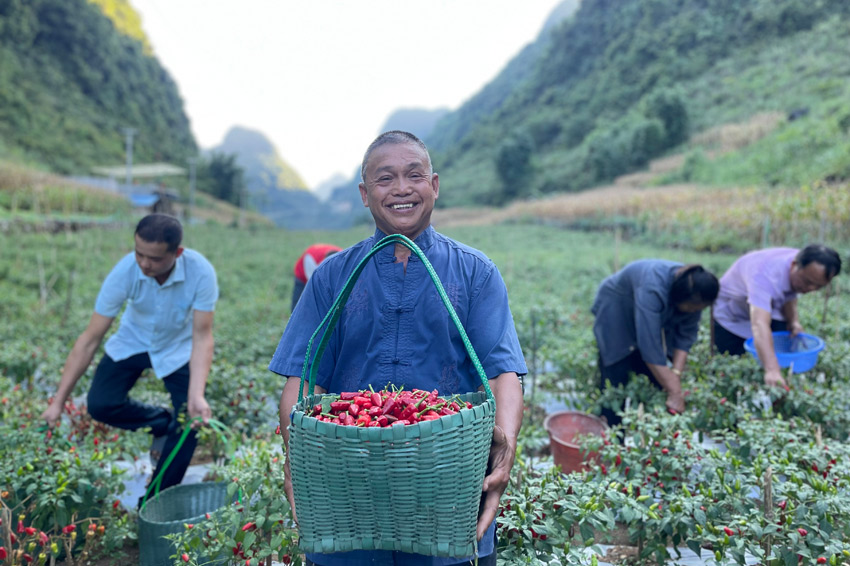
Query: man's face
(154, 259)
(809, 278)
(399, 189)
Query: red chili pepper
(728, 531)
(618, 460)
(354, 409)
(248, 527)
(803, 532)
(338, 406)
(348, 395)
(363, 420)
(401, 422)
(388, 406)
(377, 400)
(184, 557)
(30, 531)
(3, 553)
(360, 400)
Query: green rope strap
(154, 486)
(331, 318)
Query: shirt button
(396, 361)
(631, 348)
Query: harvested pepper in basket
(386, 408)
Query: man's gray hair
(393, 137)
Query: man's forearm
(507, 391)
(200, 363)
(76, 364)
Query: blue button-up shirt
(158, 318)
(633, 311)
(394, 329)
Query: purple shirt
(760, 279)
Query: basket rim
(481, 409)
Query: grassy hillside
(626, 81)
(70, 81)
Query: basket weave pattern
(413, 488)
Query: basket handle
(331, 318)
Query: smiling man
(170, 293)
(758, 296)
(395, 330)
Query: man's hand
(502, 456)
(675, 402)
(773, 378)
(795, 328)
(52, 413)
(287, 487)
(198, 407)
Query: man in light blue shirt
(394, 328)
(170, 293)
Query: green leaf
(695, 547)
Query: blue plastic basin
(802, 350)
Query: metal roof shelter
(141, 170)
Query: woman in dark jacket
(646, 314)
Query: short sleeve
(115, 288)
(206, 294)
(491, 329)
(760, 292)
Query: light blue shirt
(158, 318)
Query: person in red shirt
(307, 264)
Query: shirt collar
(177, 275)
(424, 240)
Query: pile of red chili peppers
(385, 408)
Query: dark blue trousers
(109, 402)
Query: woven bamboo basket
(414, 488)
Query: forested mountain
(624, 81)
(71, 79)
(274, 188)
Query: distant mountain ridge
(275, 189)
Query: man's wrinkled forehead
(415, 156)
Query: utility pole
(192, 163)
(129, 133)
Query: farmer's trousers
(727, 343)
(108, 402)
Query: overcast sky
(319, 77)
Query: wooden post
(768, 507)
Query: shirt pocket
(181, 314)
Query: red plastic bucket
(563, 427)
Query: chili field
(746, 475)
